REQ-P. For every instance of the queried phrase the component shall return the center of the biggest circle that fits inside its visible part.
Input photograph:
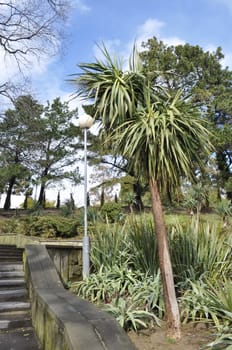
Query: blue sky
(118, 24)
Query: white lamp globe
(85, 121)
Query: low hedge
(42, 226)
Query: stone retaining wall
(63, 321)
(66, 254)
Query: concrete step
(10, 259)
(11, 267)
(14, 294)
(10, 247)
(15, 320)
(12, 250)
(11, 274)
(16, 330)
(7, 306)
(12, 282)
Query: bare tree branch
(31, 27)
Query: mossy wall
(67, 258)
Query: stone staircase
(16, 331)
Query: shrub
(49, 226)
(111, 212)
(8, 225)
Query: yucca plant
(196, 305)
(204, 301)
(221, 299)
(199, 253)
(144, 250)
(224, 210)
(132, 296)
(222, 342)
(107, 283)
(96, 288)
(149, 293)
(109, 246)
(129, 314)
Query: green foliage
(111, 212)
(67, 209)
(132, 297)
(93, 216)
(8, 225)
(48, 226)
(199, 252)
(37, 145)
(119, 278)
(222, 342)
(134, 243)
(110, 246)
(144, 250)
(156, 131)
(196, 197)
(129, 315)
(30, 203)
(202, 77)
(126, 279)
(224, 209)
(18, 128)
(196, 304)
(228, 185)
(208, 303)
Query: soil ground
(194, 337)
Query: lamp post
(85, 122)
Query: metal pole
(85, 248)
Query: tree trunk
(7, 203)
(137, 188)
(58, 201)
(25, 202)
(41, 195)
(102, 199)
(170, 301)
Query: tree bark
(170, 301)
(137, 188)
(7, 203)
(41, 195)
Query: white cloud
(81, 6)
(227, 60)
(9, 66)
(151, 27)
(173, 41)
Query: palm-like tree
(160, 136)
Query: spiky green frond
(163, 138)
(114, 91)
(158, 133)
